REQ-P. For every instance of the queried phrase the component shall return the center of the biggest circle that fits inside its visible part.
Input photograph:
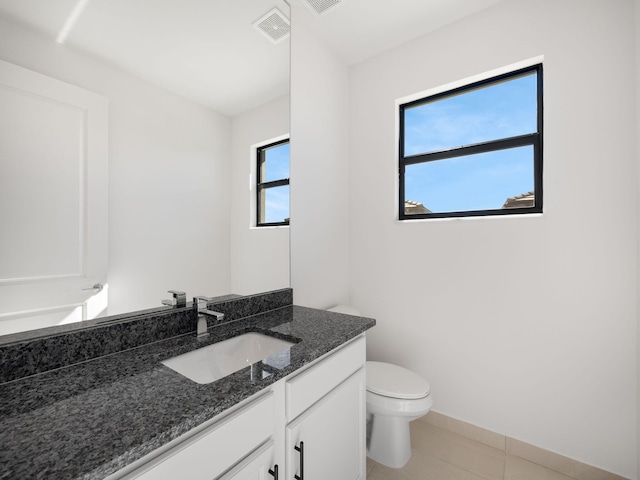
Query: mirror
(190, 89)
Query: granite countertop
(89, 420)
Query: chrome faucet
(200, 303)
(179, 299)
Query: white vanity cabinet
(321, 407)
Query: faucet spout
(201, 305)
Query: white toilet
(395, 397)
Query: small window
(475, 150)
(273, 184)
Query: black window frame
(532, 139)
(262, 186)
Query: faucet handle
(179, 299)
(200, 302)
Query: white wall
(259, 256)
(169, 170)
(637, 82)
(319, 169)
(525, 326)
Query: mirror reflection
(129, 134)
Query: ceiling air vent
(274, 25)
(319, 7)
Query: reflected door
(53, 201)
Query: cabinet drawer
(307, 388)
(256, 466)
(212, 451)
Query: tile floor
(440, 454)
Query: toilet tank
(345, 309)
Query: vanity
(299, 411)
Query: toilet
(395, 397)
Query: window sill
(469, 219)
(268, 227)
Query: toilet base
(389, 442)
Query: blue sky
(277, 198)
(475, 182)
(277, 163)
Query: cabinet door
(332, 433)
(257, 466)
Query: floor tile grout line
(597, 472)
(466, 441)
(463, 439)
(546, 467)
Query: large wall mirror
(127, 154)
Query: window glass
(275, 163)
(474, 182)
(504, 109)
(275, 202)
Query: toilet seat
(395, 382)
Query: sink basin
(210, 363)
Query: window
(474, 150)
(273, 184)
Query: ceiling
(359, 29)
(208, 50)
(205, 50)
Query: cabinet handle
(97, 288)
(274, 472)
(301, 450)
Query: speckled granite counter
(89, 420)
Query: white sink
(211, 363)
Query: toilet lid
(394, 381)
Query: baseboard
(553, 461)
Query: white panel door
(53, 201)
